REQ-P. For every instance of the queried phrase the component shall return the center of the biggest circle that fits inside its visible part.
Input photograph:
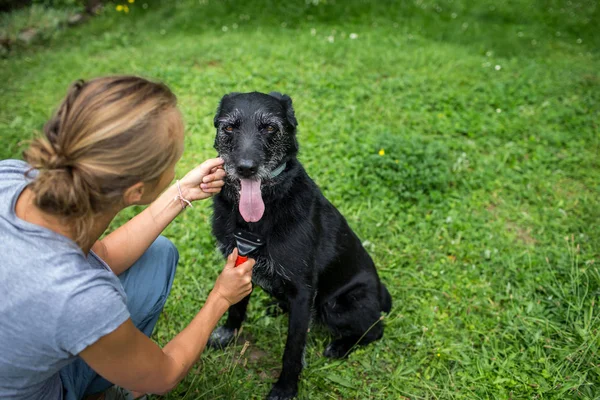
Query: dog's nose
(246, 168)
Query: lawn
(461, 141)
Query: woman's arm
(126, 357)
(123, 247)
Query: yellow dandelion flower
(381, 152)
(119, 7)
(126, 9)
(130, 1)
(438, 354)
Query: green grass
(482, 215)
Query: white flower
(520, 34)
(454, 15)
(497, 67)
(353, 36)
(330, 39)
(579, 41)
(489, 53)
(313, 31)
(462, 163)
(224, 29)
(498, 110)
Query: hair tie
(57, 162)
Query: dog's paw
(337, 349)
(282, 393)
(221, 337)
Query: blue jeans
(147, 284)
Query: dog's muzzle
(246, 168)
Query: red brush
(246, 243)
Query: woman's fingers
(205, 180)
(246, 267)
(212, 185)
(217, 175)
(207, 166)
(231, 258)
(211, 191)
(209, 171)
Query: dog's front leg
(300, 314)
(223, 335)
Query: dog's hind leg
(224, 335)
(340, 348)
(300, 315)
(354, 317)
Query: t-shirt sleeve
(15, 170)
(92, 310)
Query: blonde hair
(107, 135)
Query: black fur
(312, 262)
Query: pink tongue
(252, 207)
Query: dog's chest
(269, 275)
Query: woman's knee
(148, 282)
(163, 249)
(161, 257)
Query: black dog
(312, 262)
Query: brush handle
(240, 260)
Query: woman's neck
(29, 212)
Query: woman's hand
(204, 181)
(234, 283)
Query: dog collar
(277, 171)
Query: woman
(76, 311)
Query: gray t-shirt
(53, 302)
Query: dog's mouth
(251, 205)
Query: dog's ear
(289, 109)
(216, 119)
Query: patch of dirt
(203, 64)
(254, 354)
(524, 235)
(269, 375)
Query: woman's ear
(134, 194)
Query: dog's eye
(270, 128)
(228, 128)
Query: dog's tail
(386, 299)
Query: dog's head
(256, 133)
